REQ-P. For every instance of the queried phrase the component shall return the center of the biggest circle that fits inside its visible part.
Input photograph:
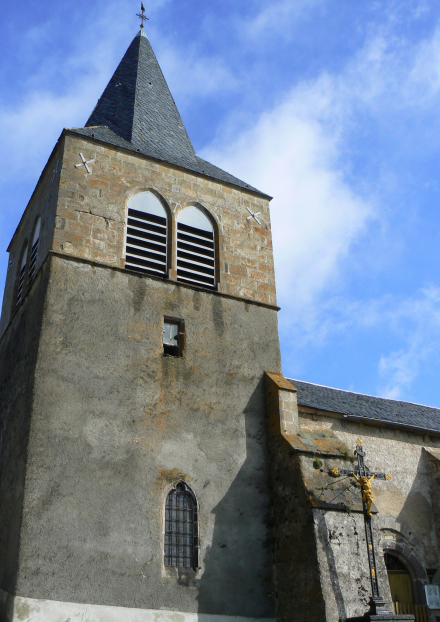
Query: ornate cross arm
(368, 473)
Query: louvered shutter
(195, 249)
(21, 277)
(146, 243)
(34, 250)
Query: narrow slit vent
(146, 249)
(195, 256)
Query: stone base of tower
(21, 609)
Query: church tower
(138, 320)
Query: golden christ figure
(367, 491)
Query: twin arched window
(181, 543)
(148, 240)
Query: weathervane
(142, 15)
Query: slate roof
(362, 406)
(137, 112)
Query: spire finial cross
(141, 15)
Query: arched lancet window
(195, 248)
(181, 528)
(34, 249)
(147, 233)
(21, 277)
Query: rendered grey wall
(115, 423)
(18, 355)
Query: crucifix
(364, 476)
(142, 15)
(84, 163)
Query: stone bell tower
(138, 319)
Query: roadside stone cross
(364, 476)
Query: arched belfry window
(34, 249)
(195, 248)
(181, 545)
(147, 235)
(21, 277)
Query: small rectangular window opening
(173, 337)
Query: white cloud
(277, 17)
(412, 322)
(194, 75)
(297, 151)
(425, 74)
(417, 321)
(293, 153)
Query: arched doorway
(399, 580)
(402, 587)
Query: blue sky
(331, 106)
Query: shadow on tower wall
(18, 357)
(420, 525)
(237, 566)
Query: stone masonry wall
(18, 355)
(91, 214)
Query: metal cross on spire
(142, 15)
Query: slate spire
(137, 112)
(137, 105)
